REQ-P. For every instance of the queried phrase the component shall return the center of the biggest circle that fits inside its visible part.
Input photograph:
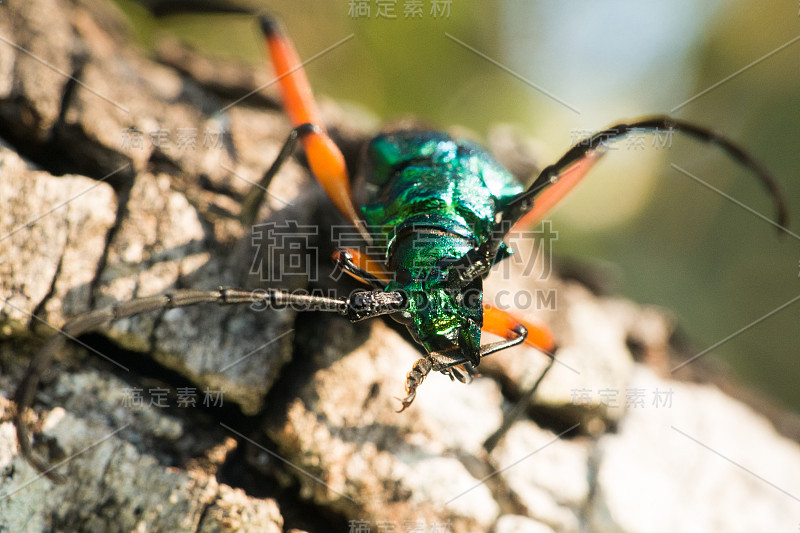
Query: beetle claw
(407, 401)
(421, 368)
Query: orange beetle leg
(361, 266)
(548, 199)
(324, 157)
(507, 326)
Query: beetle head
(441, 316)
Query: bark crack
(39, 309)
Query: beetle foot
(463, 373)
(421, 368)
(407, 401)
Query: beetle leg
(324, 157)
(516, 412)
(362, 267)
(506, 325)
(539, 336)
(252, 202)
(549, 198)
(464, 373)
(419, 371)
(515, 331)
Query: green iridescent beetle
(440, 207)
(435, 200)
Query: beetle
(438, 206)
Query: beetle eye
(403, 275)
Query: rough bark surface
(225, 419)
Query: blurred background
(560, 70)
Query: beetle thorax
(440, 315)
